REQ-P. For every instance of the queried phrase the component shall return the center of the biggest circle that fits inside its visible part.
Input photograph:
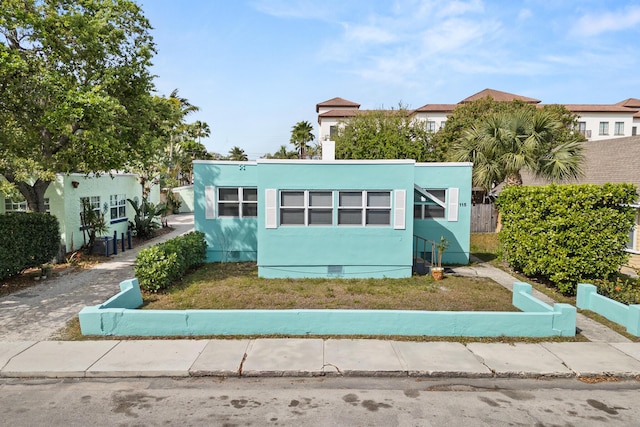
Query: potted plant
(438, 271)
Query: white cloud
(367, 34)
(524, 14)
(597, 23)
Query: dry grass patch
(237, 286)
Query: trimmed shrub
(27, 239)
(566, 233)
(161, 265)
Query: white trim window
(364, 208)
(12, 206)
(430, 207)
(118, 205)
(618, 128)
(237, 202)
(92, 201)
(306, 207)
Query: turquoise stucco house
(332, 218)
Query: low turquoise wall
(118, 317)
(625, 315)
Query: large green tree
(301, 136)
(502, 145)
(74, 89)
(466, 115)
(385, 134)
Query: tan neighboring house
(596, 121)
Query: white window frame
(431, 199)
(242, 202)
(94, 202)
(118, 204)
(306, 208)
(618, 128)
(365, 208)
(431, 126)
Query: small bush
(161, 265)
(27, 240)
(624, 290)
(567, 233)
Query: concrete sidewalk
(314, 357)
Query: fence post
(115, 242)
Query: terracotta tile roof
(630, 102)
(339, 113)
(439, 108)
(337, 102)
(608, 160)
(499, 96)
(597, 108)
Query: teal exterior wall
(118, 317)
(446, 176)
(335, 250)
(228, 239)
(625, 315)
(331, 250)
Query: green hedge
(566, 233)
(159, 266)
(27, 240)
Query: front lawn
(237, 286)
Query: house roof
(597, 108)
(630, 102)
(499, 96)
(339, 113)
(608, 160)
(337, 102)
(436, 108)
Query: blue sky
(257, 67)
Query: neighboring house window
(333, 132)
(582, 128)
(23, 206)
(442, 123)
(306, 208)
(364, 208)
(634, 131)
(619, 128)
(426, 208)
(431, 126)
(93, 202)
(118, 204)
(11, 206)
(238, 202)
(604, 128)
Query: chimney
(328, 150)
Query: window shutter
(271, 208)
(400, 209)
(452, 215)
(210, 202)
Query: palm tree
(301, 135)
(237, 153)
(199, 130)
(502, 145)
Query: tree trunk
(513, 179)
(34, 194)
